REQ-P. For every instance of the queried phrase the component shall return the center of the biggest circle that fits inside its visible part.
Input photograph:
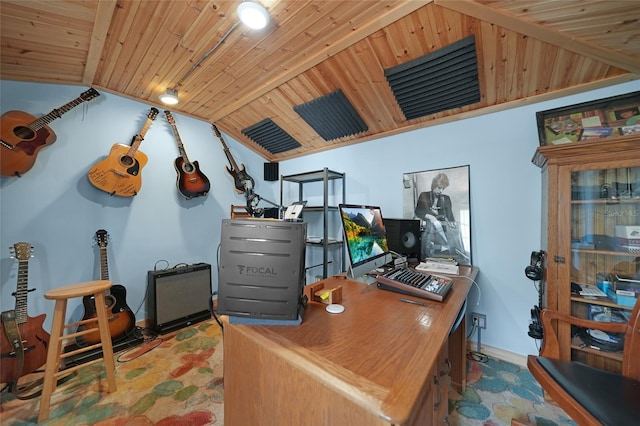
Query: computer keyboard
(415, 283)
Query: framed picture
(601, 119)
(440, 199)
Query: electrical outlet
(480, 320)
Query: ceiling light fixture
(170, 97)
(252, 14)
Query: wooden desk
(379, 362)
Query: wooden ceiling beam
(398, 10)
(102, 21)
(539, 32)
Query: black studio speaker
(271, 171)
(403, 236)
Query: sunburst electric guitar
(121, 319)
(191, 181)
(24, 135)
(241, 179)
(119, 173)
(32, 340)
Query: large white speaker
(178, 297)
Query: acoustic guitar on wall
(119, 173)
(24, 135)
(121, 319)
(242, 182)
(191, 181)
(22, 338)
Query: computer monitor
(366, 241)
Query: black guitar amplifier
(178, 297)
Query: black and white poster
(440, 199)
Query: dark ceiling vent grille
(271, 137)
(442, 80)
(332, 116)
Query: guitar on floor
(191, 181)
(241, 179)
(119, 173)
(24, 135)
(122, 321)
(23, 341)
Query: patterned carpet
(498, 391)
(179, 382)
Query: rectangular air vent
(442, 80)
(271, 137)
(332, 116)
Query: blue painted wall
(56, 209)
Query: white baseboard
(501, 354)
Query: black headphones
(535, 326)
(536, 266)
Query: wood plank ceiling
(527, 51)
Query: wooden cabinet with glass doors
(591, 224)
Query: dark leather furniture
(589, 395)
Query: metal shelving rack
(324, 176)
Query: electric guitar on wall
(241, 180)
(121, 319)
(191, 181)
(22, 338)
(23, 135)
(119, 173)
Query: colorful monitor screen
(365, 238)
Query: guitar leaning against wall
(24, 135)
(191, 181)
(122, 321)
(119, 173)
(23, 341)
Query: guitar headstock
(22, 251)
(153, 113)
(215, 130)
(170, 118)
(89, 94)
(102, 238)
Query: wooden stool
(54, 353)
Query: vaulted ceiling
(523, 51)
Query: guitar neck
(104, 268)
(21, 291)
(137, 140)
(183, 152)
(57, 113)
(234, 166)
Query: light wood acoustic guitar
(242, 182)
(119, 173)
(32, 340)
(122, 321)
(24, 135)
(191, 181)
